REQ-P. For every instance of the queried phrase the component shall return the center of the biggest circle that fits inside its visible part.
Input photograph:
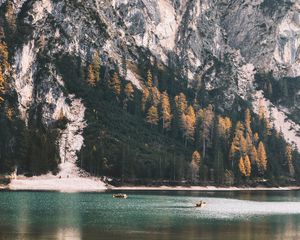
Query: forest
(165, 132)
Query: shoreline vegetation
(92, 184)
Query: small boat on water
(120, 195)
(200, 204)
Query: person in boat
(200, 204)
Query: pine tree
(10, 16)
(206, 127)
(254, 156)
(238, 143)
(256, 138)
(94, 70)
(242, 167)
(248, 122)
(247, 166)
(96, 66)
(154, 96)
(145, 98)
(166, 115)
(2, 86)
(115, 84)
(181, 106)
(224, 127)
(181, 103)
(129, 94)
(9, 113)
(189, 124)
(195, 165)
(152, 116)
(262, 158)
(289, 158)
(149, 79)
(249, 143)
(243, 145)
(91, 76)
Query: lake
(150, 215)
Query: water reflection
(46, 215)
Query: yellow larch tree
(152, 116)
(195, 165)
(115, 84)
(166, 114)
(149, 79)
(145, 98)
(247, 164)
(262, 158)
(242, 167)
(190, 123)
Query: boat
(120, 195)
(200, 204)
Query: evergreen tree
(154, 96)
(149, 79)
(166, 115)
(96, 66)
(189, 121)
(254, 156)
(2, 86)
(248, 122)
(289, 158)
(206, 127)
(114, 84)
(195, 165)
(152, 116)
(91, 76)
(129, 94)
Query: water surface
(150, 215)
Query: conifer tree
(115, 84)
(155, 96)
(145, 97)
(166, 115)
(262, 158)
(129, 94)
(289, 158)
(242, 167)
(152, 116)
(206, 127)
(149, 79)
(96, 66)
(247, 166)
(9, 113)
(254, 156)
(195, 165)
(91, 76)
(238, 141)
(189, 124)
(224, 127)
(2, 86)
(248, 122)
(181, 105)
(256, 138)
(249, 143)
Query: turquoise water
(150, 215)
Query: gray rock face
(219, 43)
